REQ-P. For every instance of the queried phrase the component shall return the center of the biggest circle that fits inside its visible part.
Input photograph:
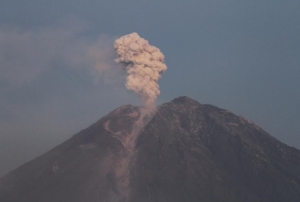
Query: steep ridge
(194, 152)
(87, 167)
(186, 152)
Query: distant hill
(186, 152)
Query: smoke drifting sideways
(144, 65)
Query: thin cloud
(26, 54)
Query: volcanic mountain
(186, 152)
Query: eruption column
(144, 65)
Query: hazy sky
(57, 74)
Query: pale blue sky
(243, 56)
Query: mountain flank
(185, 152)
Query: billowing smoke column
(144, 65)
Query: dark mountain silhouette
(186, 152)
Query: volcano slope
(186, 152)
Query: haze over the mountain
(185, 152)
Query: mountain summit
(185, 152)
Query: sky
(58, 74)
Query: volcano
(186, 152)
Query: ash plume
(144, 65)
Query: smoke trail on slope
(144, 65)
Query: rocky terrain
(185, 152)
